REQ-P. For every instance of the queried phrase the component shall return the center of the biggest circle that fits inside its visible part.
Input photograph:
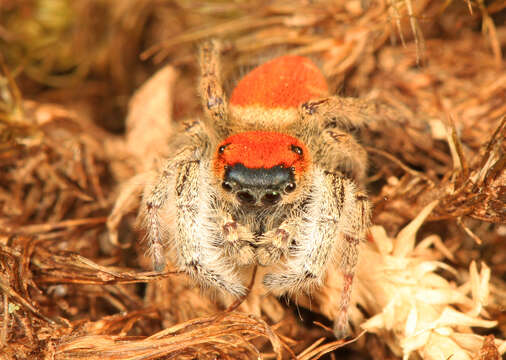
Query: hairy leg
(356, 216)
(340, 152)
(214, 99)
(333, 118)
(315, 240)
(336, 221)
(154, 201)
(198, 233)
(127, 201)
(338, 112)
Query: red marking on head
(284, 82)
(261, 149)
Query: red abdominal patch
(261, 149)
(284, 82)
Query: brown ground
(69, 69)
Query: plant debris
(431, 283)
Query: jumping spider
(270, 177)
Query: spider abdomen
(284, 82)
(271, 93)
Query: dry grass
(435, 71)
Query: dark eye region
(296, 149)
(222, 148)
(259, 187)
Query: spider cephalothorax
(261, 168)
(269, 178)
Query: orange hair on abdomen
(284, 82)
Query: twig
(326, 348)
(47, 227)
(468, 231)
(400, 164)
(239, 301)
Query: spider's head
(261, 168)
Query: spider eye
(290, 187)
(296, 149)
(221, 149)
(226, 186)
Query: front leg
(335, 222)
(197, 232)
(315, 237)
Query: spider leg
(196, 231)
(338, 112)
(154, 200)
(127, 201)
(336, 221)
(354, 229)
(315, 240)
(214, 99)
(340, 152)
